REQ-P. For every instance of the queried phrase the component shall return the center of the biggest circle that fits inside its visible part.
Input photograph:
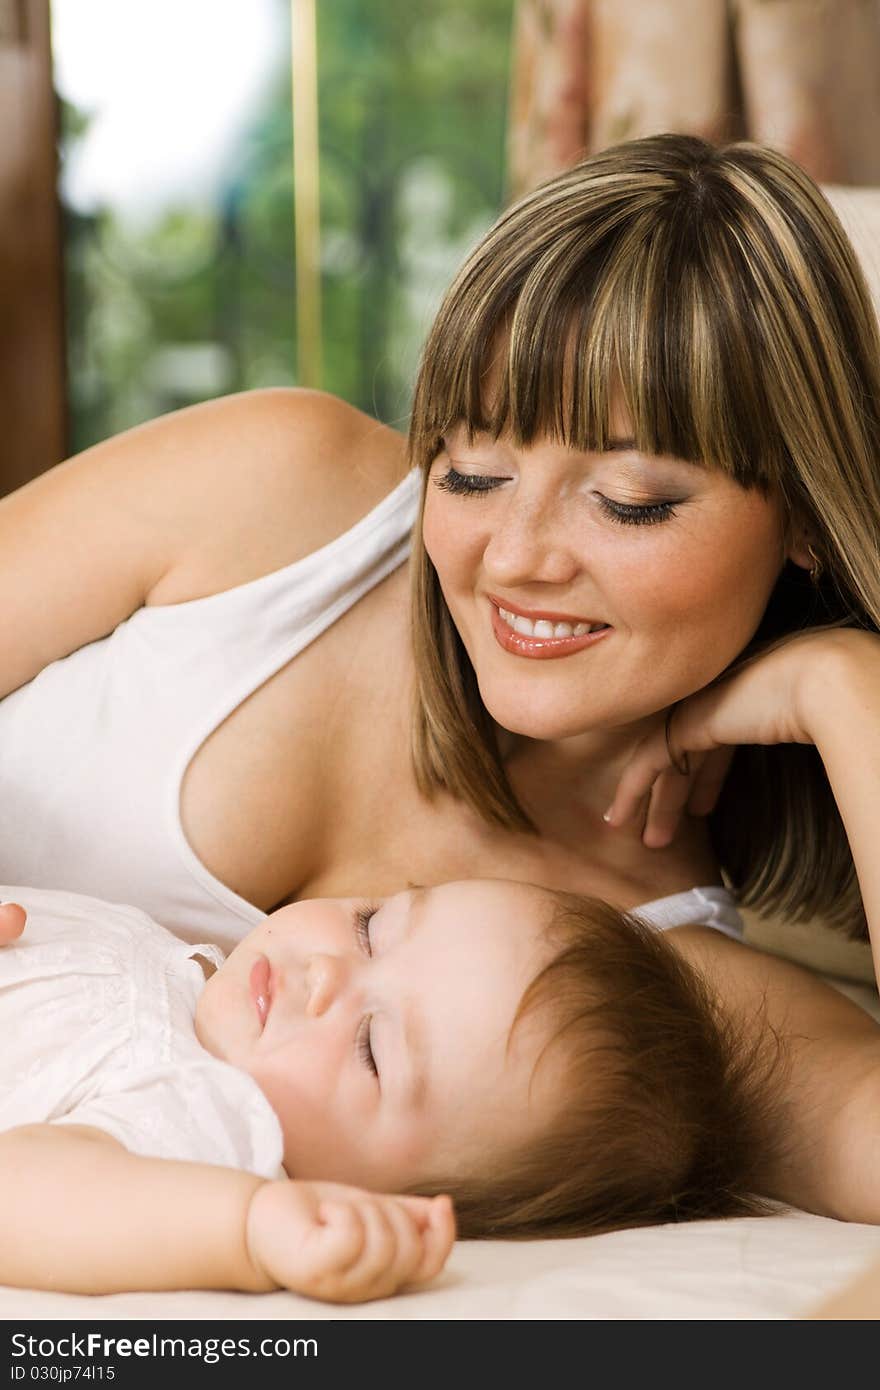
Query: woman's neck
(587, 765)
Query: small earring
(816, 567)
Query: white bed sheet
(761, 1268)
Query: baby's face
(382, 1038)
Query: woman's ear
(801, 552)
(801, 546)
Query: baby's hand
(344, 1244)
(12, 920)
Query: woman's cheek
(446, 541)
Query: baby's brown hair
(668, 1110)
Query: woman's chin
(544, 723)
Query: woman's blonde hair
(668, 1111)
(716, 289)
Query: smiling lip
(543, 648)
(536, 614)
(261, 988)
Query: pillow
(813, 944)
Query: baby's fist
(344, 1244)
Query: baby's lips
(261, 987)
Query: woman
(650, 405)
(698, 320)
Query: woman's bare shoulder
(189, 504)
(271, 476)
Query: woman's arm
(79, 1213)
(856, 1301)
(189, 504)
(821, 688)
(821, 1061)
(840, 713)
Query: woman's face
(593, 590)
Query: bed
(774, 1267)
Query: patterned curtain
(800, 75)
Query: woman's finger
(668, 799)
(650, 759)
(709, 780)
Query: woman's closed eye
(636, 513)
(624, 513)
(466, 484)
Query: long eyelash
(465, 484)
(363, 915)
(364, 1047)
(643, 515)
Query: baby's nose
(324, 976)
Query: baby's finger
(12, 922)
(709, 781)
(389, 1240)
(438, 1238)
(407, 1249)
(336, 1241)
(420, 1208)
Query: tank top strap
(712, 906)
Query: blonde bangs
(645, 312)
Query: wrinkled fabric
(97, 1009)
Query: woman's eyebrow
(618, 445)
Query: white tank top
(94, 749)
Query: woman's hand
(772, 698)
(12, 920)
(344, 1244)
(691, 787)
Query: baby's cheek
(298, 1080)
(212, 1023)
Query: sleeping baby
(173, 1119)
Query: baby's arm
(79, 1213)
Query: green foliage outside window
(412, 108)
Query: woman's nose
(324, 979)
(530, 543)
